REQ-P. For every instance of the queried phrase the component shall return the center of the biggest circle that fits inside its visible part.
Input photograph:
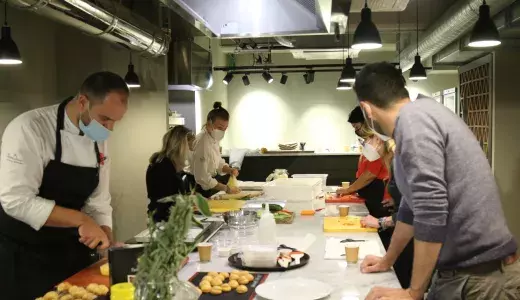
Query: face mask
(370, 152)
(95, 131)
(375, 127)
(218, 134)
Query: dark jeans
(487, 281)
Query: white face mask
(218, 134)
(370, 152)
(375, 127)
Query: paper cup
(343, 210)
(352, 253)
(204, 251)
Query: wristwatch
(381, 222)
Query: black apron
(373, 194)
(33, 262)
(208, 193)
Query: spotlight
(267, 77)
(227, 79)
(284, 78)
(245, 80)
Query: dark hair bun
(217, 105)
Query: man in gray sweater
(451, 204)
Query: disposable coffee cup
(345, 184)
(343, 210)
(352, 253)
(204, 251)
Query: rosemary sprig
(162, 257)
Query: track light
(348, 74)
(283, 80)
(485, 33)
(418, 72)
(309, 77)
(366, 35)
(131, 78)
(9, 53)
(343, 86)
(245, 80)
(267, 77)
(227, 79)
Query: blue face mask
(95, 131)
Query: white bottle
(267, 228)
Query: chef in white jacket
(207, 161)
(54, 195)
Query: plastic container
(259, 256)
(293, 189)
(267, 227)
(322, 177)
(122, 291)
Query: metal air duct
(454, 23)
(96, 20)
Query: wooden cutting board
(222, 206)
(243, 194)
(348, 224)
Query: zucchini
(273, 207)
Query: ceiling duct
(104, 20)
(454, 23)
(458, 52)
(258, 18)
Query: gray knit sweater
(449, 192)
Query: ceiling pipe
(96, 21)
(453, 24)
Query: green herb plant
(161, 260)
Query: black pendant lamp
(342, 86)
(348, 74)
(485, 33)
(131, 78)
(9, 53)
(418, 72)
(366, 35)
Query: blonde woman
(403, 264)
(164, 174)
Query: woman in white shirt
(207, 161)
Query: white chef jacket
(28, 144)
(206, 162)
